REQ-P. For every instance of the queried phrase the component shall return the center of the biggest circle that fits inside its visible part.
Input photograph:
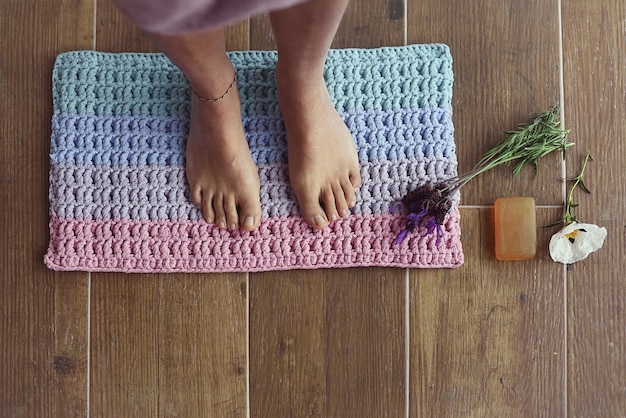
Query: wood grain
(340, 351)
(365, 332)
(487, 338)
(125, 346)
(202, 346)
(43, 314)
(372, 24)
(506, 66)
(71, 346)
(172, 345)
(287, 345)
(115, 33)
(594, 41)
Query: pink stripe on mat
(279, 244)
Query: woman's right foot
(222, 176)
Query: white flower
(575, 242)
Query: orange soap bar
(516, 228)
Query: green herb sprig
(528, 144)
(533, 141)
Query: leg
(323, 163)
(223, 179)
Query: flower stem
(578, 181)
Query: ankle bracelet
(217, 99)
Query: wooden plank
(484, 336)
(287, 345)
(202, 346)
(71, 346)
(322, 353)
(487, 338)
(172, 344)
(115, 33)
(365, 24)
(506, 66)
(43, 314)
(365, 338)
(125, 346)
(238, 36)
(124, 309)
(594, 50)
(372, 24)
(330, 342)
(185, 354)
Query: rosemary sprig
(569, 216)
(527, 144)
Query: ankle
(219, 98)
(298, 77)
(212, 81)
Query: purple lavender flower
(427, 206)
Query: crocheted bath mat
(118, 195)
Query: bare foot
(222, 176)
(323, 162)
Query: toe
(230, 209)
(330, 204)
(249, 215)
(220, 214)
(349, 193)
(312, 212)
(340, 200)
(355, 177)
(206, 206)
(196, 197)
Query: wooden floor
(490, 339)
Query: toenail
(248, 222)
(319, 220)
(333, 217)
(222, 224)
(233, 227)
(345, 212)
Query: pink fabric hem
(183, 16)
(279, 244)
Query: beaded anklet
(217, 99)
